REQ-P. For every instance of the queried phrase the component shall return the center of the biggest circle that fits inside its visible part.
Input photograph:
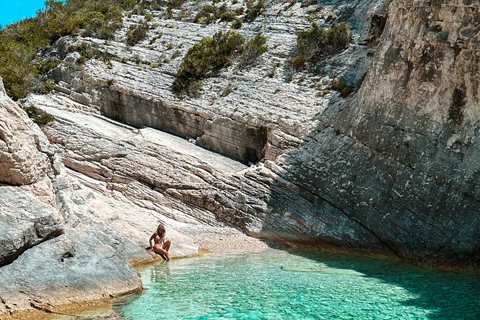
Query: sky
(15, 10)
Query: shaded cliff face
(391, 169)
(427, 62)
(401, 158)
(422, 91)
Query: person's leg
(159, 249)
(166, 245)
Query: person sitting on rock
(159, 244)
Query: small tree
(209, 53)
(253, 49)
(315, 43)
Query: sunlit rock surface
(21, 161)
(391, 169)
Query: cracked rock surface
(391, 169)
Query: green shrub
(315, 43)
(253, 49)
(81, 59)
(227, 16)
(209, 53)
(239, 11)
(46, 65)
(39, 116)
(48, 85)
(212, 52)
(136, 33)
(237, 24)
(254, 9)
(207, 14)
(298, 61)
(20, 42)
(441, 36)
(342, 87)
(148, 17)
(175, 4)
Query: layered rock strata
(389, 170)
(246, 113)
(396, 161)
(401, 160)
(21, 161)
(60, 244)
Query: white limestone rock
(21, 161)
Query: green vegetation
(209, 53)
(441, 36)
(254, 9)
(209, 14)
(89, 51)
(315, 44)
(81, 59)
(38, 116)
(227, 16)
(239, 11)
(253, 49)
(237, 23)
(342, 87)
(21, 42)
(175, 4)
(136, 33)
(215, 52)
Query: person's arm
(152, 238)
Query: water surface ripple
(276, 284)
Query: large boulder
(28, 217)
(21, 162)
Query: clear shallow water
(303, 285)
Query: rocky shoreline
(267, 152)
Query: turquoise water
(277, 284)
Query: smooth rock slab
(25, 220)
(72, 269)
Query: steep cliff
(401, 158)
(249, 114)
(390, 169)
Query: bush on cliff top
(215, 52)
(209, 53)
(315, 43)
(21, 42)
(39, 116)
